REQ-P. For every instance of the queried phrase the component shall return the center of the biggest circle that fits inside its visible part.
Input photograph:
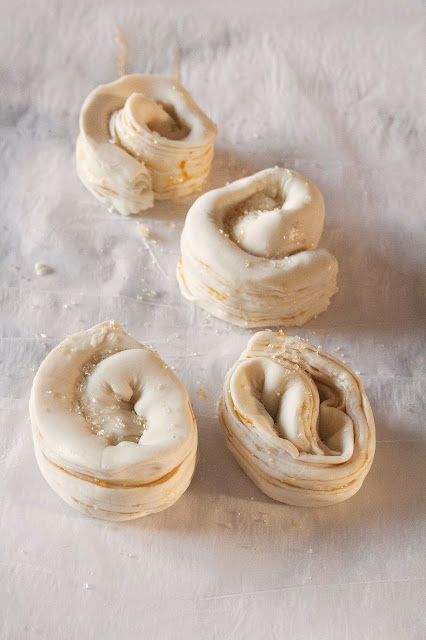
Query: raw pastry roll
(113, 429)
(249, 251)
(297, 421)
(142, 137)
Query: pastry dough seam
(112, 485)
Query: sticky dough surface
(143, 137)
(108, 414)
(298, 421)
(249, 251)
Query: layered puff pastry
(298, 421)
(249, 251)
(113, 429)
(142, 138)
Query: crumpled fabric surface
(331, 89)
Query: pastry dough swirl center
(124, 395)
(282, 400)
(271, 222)
(142, 114)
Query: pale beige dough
(113, 429)
(142, 138)
(249, 251)
(298, 421)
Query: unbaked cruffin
(114, 433)
(298, 421)
(143, 138)
(249, 251)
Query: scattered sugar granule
(142, 230)
(42, 269)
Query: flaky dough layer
(298, 421)
(142, 138)
(249, 251)
(113, 428)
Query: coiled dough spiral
(249, 251)
(298, 421)
(143, 138)
(113, 429)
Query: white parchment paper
(330, 88)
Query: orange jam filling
(218, 295)
(245, 418)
